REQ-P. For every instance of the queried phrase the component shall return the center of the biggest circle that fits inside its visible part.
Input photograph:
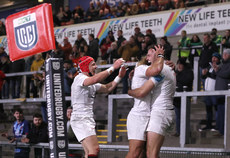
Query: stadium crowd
(102, 11)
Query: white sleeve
(81, 79)
(98, 86)
(141, 71)
(154, 81)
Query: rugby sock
(92, 156)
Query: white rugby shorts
(83, 126)
(161, 121)
(136, 126)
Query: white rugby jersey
(162, 94)
(82, 97)
(142, 105)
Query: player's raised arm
(99, 77)
(156, 57)
(110, 86)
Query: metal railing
(119, 151)
(185, 115)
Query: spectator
(120, 11)
(194, 52)
(137, 32)
(111, 54)
(76, 18)
(37, 134)
(100, 15)
(57, 53)
(169, 5)
(20, 130)
(134, 9)
(209, 48)
(167, 47)
(105, 5)
(210, 80)
(127, 51)
(105, 47)
(68, 71)
(141, 44)
(146, 44)
(2, 52)
(183, 42)
(80, 12)
(128, 11)
(226, 39)
(184, 78)
(28, 62)
(153, 6)
(66, 48)
(5, 68)
(142, 9)
(120, 38)
(76, 55)
(98, 7)
(149, 40)
(222, 81)
(80, 41)
(36, 66)
(107, 14)
(90, 13)
(180, 4)
(71, 136)
(112, 39)
(15, 82)
(67, 14)
(93, 47)
(60, 14)
(152, 36)
(2, 29)
(216, 38)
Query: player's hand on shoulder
(170, 64)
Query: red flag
(30, 32)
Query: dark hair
(198, 39)
(120, 31)
(181, 61)
(184, 31)
(213, 33)
(37, 115)
(18, 110)
(214, 29)
(207, 34)
(69, 107)
(165, 38)
(68, 62)
(91, 35)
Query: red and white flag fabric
(30, 32)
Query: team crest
(61, 144)
(25, 29)
(56, 65)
